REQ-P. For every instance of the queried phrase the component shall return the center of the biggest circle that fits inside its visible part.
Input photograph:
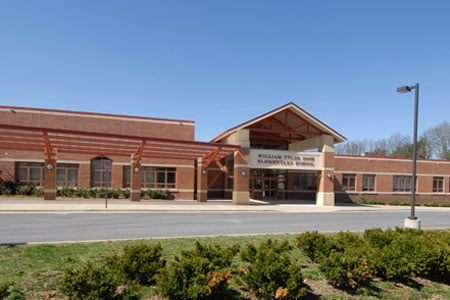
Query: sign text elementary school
(279, 159)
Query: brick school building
(283, 154)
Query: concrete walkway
(118, 205)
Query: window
(348, 182)
(368, 183)
(438, 184)
(305, 181)
(153, 177)
(101, 172)
(67, 174)
(28, 172)
(402, 183)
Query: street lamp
(412, 221)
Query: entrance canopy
(39, 139)
(284, 125)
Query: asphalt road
(18, 228)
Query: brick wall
(385, 168)
(116, 124)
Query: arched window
(101, 172)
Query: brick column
(202, 181)
(135, 178)
(325, 194)
(241, 195)
(50, 177)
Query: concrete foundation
(325, 199)
(412, 223)
(241, 198)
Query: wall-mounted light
(243, 173)
(136, 169)
(204, 172)
(49, 166)
(329, 175)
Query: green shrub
(15, 293)
(434, 257)
(342, 242)
(126, 193)
(4, 287)
(404, 253)
(114, 193)
(26, 189)
(270, 272)
(96, 281)
(140, 263)
(158, 194)
(398, 260)
(202, 273)
(38, 192)
(313, 245)
(82, 192)
(378, 238)
(99, 193)
(348, 269)
(9, 187)
(67, 191)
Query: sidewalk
(69, 205)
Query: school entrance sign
(281, 159)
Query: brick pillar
(50, 177)
(202, 181)
(241, 195)
(135, 178)
(325, 194)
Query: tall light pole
(412, 221)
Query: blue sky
(221, 63)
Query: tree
(438, 139)
(408, 150)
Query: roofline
(112, 135)
(387, 157)
(272, 112)
(93, 114)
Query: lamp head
(404, 89)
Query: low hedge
(269, 270)
(350, 262)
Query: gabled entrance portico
(291, 154)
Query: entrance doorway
(267, 184)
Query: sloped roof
(286, 123)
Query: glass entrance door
(267, 184)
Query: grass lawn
(37, 269)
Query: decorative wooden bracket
(209, 158)
(48, 146)
(222, 167)
(138, 153)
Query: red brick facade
(384, 169)
(340, 178)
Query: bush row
(350, 261)
(9, 292)
(205, 272)
(31, 189)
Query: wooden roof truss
(281, 129)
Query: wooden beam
(285, 131)
(48, 146)
(208, 158)
(138, 153)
